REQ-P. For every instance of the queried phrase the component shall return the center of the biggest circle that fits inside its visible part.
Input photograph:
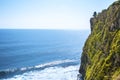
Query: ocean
(31, 54)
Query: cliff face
(101, 53)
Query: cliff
(101, 53)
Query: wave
(51, 73)
(8, 73)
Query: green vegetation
(101, 54)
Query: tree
(95, 14)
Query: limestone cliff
(101, 53)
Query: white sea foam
(55, 63)
(50, 73)
(41, 65)
(23, 69)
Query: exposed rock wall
(101, 53)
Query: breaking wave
(56, 70)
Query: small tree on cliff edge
(95, 14)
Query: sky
(49, 14)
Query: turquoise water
(24, 52)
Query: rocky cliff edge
(101, 53)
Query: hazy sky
(49, 14)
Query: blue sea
(31, 54)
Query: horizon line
(39, 29)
